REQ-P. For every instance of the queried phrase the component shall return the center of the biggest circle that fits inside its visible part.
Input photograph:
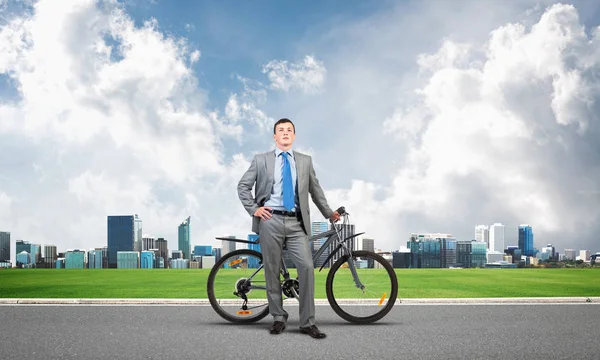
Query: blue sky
(420, 116)
(238, 37)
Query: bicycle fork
(347, 252)
(357, 282)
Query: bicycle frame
(331, 237)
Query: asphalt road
(552, 331)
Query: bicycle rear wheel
(374, 300)
(236, 287)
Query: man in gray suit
(283, 178)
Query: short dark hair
(284, 121)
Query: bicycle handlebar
(341, 210)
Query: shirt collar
(279, 151)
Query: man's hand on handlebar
(335, 217)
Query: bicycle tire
(391, 299)
(216, 303)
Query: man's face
(284, 135)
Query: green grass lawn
(191, 283)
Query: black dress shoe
(277, 327)
(313, 331)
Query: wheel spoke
(378, 293)
(236, 287)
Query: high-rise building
(163, 250)
(95, 259)
(401, 259)
(526, 240)
(23, 259)
(34, 251)
(253, 262)
(124, 234)
(447, 252)
(148, 243)
(366, 243)
(497, 238)
(217, 253)
(432, 250)
(482, 234)
(49, 255)
(184, 238)
(22, 245)
(478, 254)
(137, 232)
(548, 253)
(227, 246)
(570, 254)
(36, 254)
(463, 253)
(319, 227)
(346, 230)
(584, 255)
(104, 256)
(4, 246)
(515, 253)
(204, 250)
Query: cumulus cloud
(111, 117)
(245, 106)
(501, 131)
(307, 75)
(489, 123)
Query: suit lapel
(300, 170)
(270, 166)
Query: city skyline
(157, 108)
(137, 239)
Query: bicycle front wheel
(236, 287)
(377, 292)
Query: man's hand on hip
(264, 212)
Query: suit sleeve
(245, 186)
(316, 192)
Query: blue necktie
(288, 188)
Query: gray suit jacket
(260, 173)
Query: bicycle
(361, 285)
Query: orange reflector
(235, 262)
(244, 312)
(382, 299)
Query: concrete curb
(437, 301)
(530, 300)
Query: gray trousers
(273, 233)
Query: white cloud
(112, 117)
(307, 75)
(491, 138)
(416, 129)
(195, 56)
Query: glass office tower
(526, 240)
(253, 262)
(184, 238)
(319, 227)
(4, 246)
(124, 234)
